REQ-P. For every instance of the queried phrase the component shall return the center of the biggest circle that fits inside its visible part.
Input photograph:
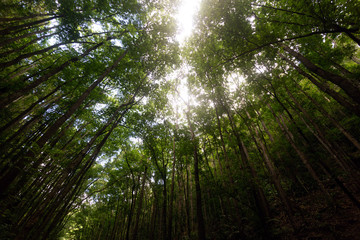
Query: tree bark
(328, 146)
(139, 208)
(227, 161)
(7, 180)
(352, 91)
(18, 50)
(14, 96)
(26, 25)
(31, 54)
(328, 116)
(326, 89)
(260, 198)
(170, 224)
(11, 40)
(199, 211)
(17, 119)
(302, 156)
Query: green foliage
(91, 147)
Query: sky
(185, 21)
(184, 17)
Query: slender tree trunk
(326, 89)
(17, 119)
(7, 180)
(353, 37)
(328, 116)
(344, 83)
(19, 49)
(12, 19)
(132, 206)
(14, 96)
(188, 203)
(219, 162)
(26, 25)
(14, 143)
(260, 199)
(199, 212)
(51, 131)
(318, 132)
(28, 55)
(330, 148)
(11, 40)
(140, 203)
(227, 161)
(170, 224)
(273, 173)
(17, 73)
(299, 130)
(341, 185)
(302, 156)
(164, 209)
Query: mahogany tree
(98, 141)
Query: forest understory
(318, 220)
(116, 124)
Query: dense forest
(99, 141)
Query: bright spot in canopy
(183, 93)
(182, 96)
(185, 21)
(96, 27)
(185, 18)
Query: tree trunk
(14, 96)
(52, 130)
(31, 54)
(330, 148)
(17, 119)
(299, 130)
(170, 224)
(328, 116)
(273, 173)
(260, 199)
(18, 50)
(11, 19)
(188, 203)
(7, 180)
(26, 25)
(11, 40)
(352, 91)
(353, 37)
(326, 89)
(164, 211)
(227, 162)
(139, 208)
(199, 212)
(302, 156)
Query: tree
(99, 142)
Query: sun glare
(185, 22)
(185, 18)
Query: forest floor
(315, 219)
